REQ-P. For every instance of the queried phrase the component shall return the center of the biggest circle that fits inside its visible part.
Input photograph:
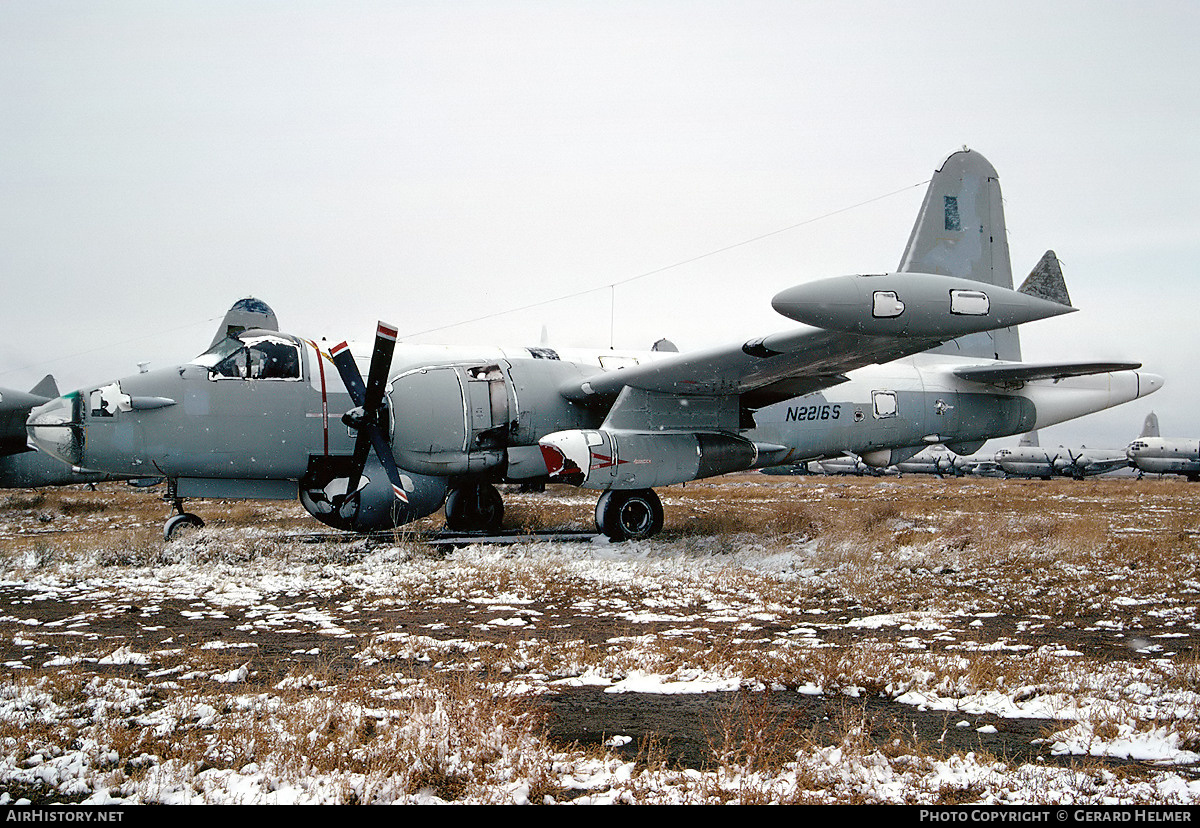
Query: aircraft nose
(56, 428)
(1148, 383)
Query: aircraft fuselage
(1166, 455)
(233, 417)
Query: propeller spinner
(369, 418)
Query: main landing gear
(474, 507)
(633, 514)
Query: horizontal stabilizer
(1046, 281)
(1030, 371)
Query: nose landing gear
(181, 523)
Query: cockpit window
(252, 357)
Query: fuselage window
(885, 404)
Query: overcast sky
(432, 163)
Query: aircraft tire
(475, 507)
(179, 525)
(634, 514)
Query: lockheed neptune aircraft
(1151, 453)
(267, 415)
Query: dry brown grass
(400, 724)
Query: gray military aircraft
(944, 462)
(1029, 459)
(847, 464)
(1154, 454)
(21, 467)
(267, 415)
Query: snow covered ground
(897, 641)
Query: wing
(854, 321)
(761, 371)
(1016, 373)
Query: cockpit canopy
(256, 355)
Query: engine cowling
(373, 506)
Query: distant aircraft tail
(1030, 439)
(1150, 426)
(47, 388)
(960, 232)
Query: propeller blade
(368, 418)
(384, 452)
(343, 360)
(381, 363)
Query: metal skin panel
(960, 232)
(267, 427)
(32, 469)
(854, 429)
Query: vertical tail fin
(1046, 281)
(960, 232)
(1030, 439)
(1150, 426)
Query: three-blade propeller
(369, 418)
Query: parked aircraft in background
(1029, 459)
(21, 467)
(1153, 454)
(943, 462)
(850, 464)
(260, 415)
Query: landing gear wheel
(180, 525)
(635, 514)
(476, 507)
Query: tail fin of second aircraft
(1150, 426)
(47, 388)
(960, 232)
(1046, 281)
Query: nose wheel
(180, 523)
(635, 514)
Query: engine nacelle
(602, 459)
(373, 506)
(460, 419)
